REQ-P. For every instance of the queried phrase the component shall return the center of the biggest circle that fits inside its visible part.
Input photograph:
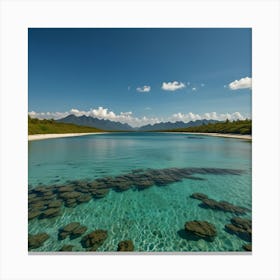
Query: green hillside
(233, 127)
(36, 126)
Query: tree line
(36, 126)
(232, 127)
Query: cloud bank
(144, 89)
(172, 86)
(241, 84)
(129, 118)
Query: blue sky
(140, 76)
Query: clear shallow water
(153, 217)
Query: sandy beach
(49, 136)
(238, 136)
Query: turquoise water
(150, 218)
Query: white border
(262, 16)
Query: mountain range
(95, 122)
(170, 125)
(117, 126)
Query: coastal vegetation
(36, 126)
(233, 127)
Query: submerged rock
(199, 196)
(41, 194)
(55, 204)
(42, 203)
(39, 205)
(201, 229)
(84, 198)
(83, 190)
(94, 239)
(66, 189)
(70, 227)
(126, 246)
(245, 224)
(223, 206)
(34, 200)
(50, 213)
(67, 230)
(218, 205)
(247, 247)
(66, 248)
(45, 198)
(73, 230)
(32, 195)
(70, 202)
(163, 180)
(240, 227)
(81, 183)
(62, 235)
(121, 184)
(41, 190)
(32, 214)
(144, 184)
(99, 193)
(78, 232)
(70, 195)
(98, 184)
(36, 240)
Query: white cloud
(172, 86)
(194, 89)
(129, 118)
(144, 89)
(48, 115)
(208, 116)
(240, 84)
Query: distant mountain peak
(95, 122)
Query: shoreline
(36, 137)
(237, 136)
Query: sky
(140, 75)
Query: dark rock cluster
(247, 247)
(73, 230)
(43, 203)
(91, 241)
(201, 229)
(94, 240)
(37, 240)
(66, 248)
(126, 246)
(218, 205)
(240, 227)
(46, 201)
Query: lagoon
(152, 218)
